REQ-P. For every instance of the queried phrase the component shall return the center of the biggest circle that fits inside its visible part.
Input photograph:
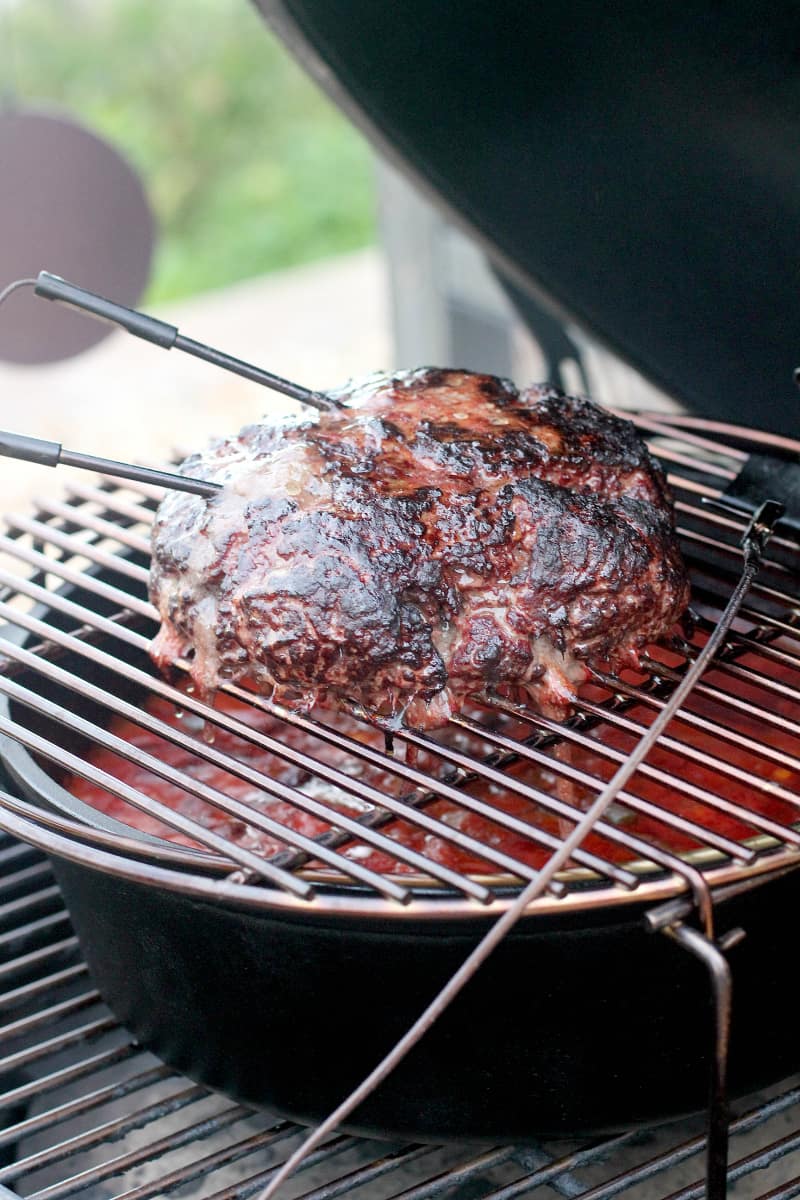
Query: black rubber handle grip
(50, 454)
(31, 449)
(53, 287)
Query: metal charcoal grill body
(217, 963)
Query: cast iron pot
(581, 1021)
(573, 1026)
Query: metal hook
(721, 981)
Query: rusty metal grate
(720, 795)
(86, 1112)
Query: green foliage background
(247, 166)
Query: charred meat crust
(441, 534)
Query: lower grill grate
(85, 1112)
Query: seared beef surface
(441, 534)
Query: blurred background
(249, 170)
(280, 238)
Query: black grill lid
(636, 163)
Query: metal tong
(53, 454)
(160, 333)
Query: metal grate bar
(755, 642)
(366, 793)
(87, 520)
(29, 991)
(313, 847)
(746, 707)
(695, 720)
(712, 578)
(35, 957)
(314, 766)
(23, 931)
(691, 828)
(653, 424)
(75, 546)
(773, 624)
(686, 484)
(107, 625)
(47, 1016)
(552, 1171)
(758, 589)
(80, 579)
(85, 1067)
(337, 1145)
(91, 1177)
(235, 1152)
(784, 1193)
(65, 759)
(137, 847)
(10, 883)
(212, 796)
(456, 1176)
(110, 500)
(745, 1166)
(758, 679)
(692, 754)
(476, 768)
(110, 783)
(61, 1041)
(721, 429)
(111, 1130)
(466, 776)
(219, 800)
(576, 738)
(679, 1154)
(33, 900)
(48, 1120)
(709, 515)
(16, 852)
(711, 589)
(379, 1168)
(702, 465)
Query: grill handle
(53, 287)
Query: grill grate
(480, 807)
(85, 1112)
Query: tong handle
(30, 449)
(50, 454)
(53, 287)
